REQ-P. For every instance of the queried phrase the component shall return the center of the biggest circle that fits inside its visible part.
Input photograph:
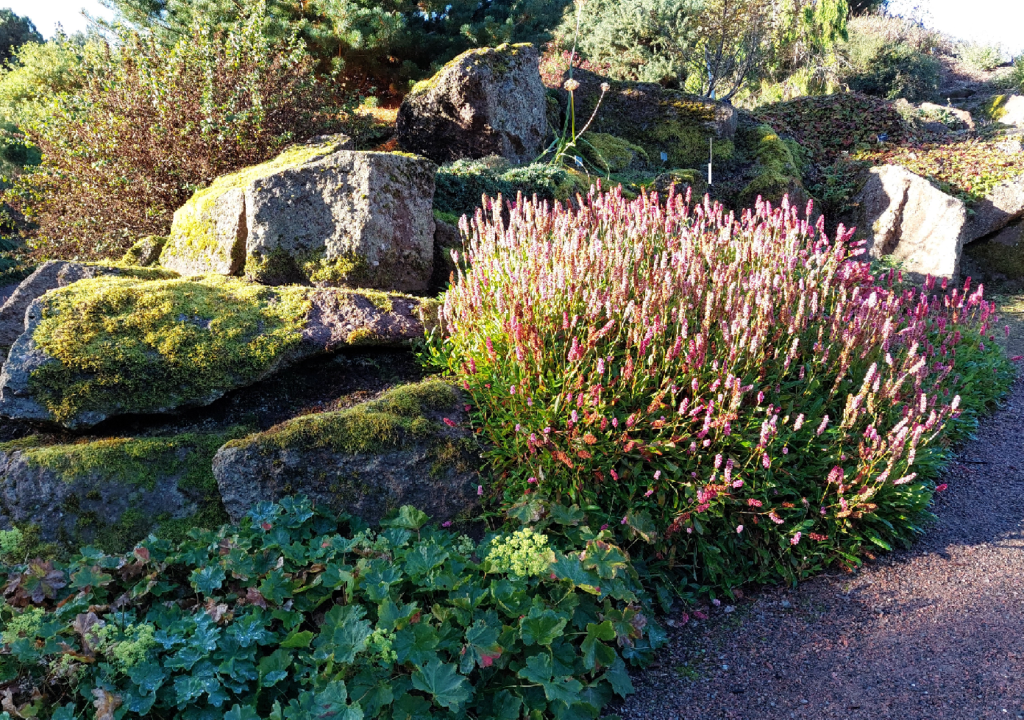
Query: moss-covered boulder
(776, 170)
(488, 101)
(352, 219)
(411, 446)
(1005, 109)
(209, 231)
(674, 129)
(57, 274)
(111, 492)
(114, 346)
(1002, 205)
(145, 252)
(610, 153)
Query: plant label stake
(711, 158)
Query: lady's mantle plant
(740, 394)
(295, 615)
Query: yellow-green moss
(193, 234)
(778, 167)
(610, 153)
(145, 252)
(370, 427)
(995, 108)
(499, 58)
(142, 347)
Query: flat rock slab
(111, 346)
(904, 216)
(1003, 205)
(110, 492)
(411, 446)
(488, 101)
(48, 276)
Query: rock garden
(456, 413)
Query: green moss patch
(193, 234)
(143, 347)
(611, 153)
(778, 168)
(396, 417)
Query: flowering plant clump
(736, 393)
(524, 553)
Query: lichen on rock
(410, 446)
(112, 492)
(112, 346)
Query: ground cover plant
(966, 168)
(295, 614)
(743, 399)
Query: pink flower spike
(449, 423)
(446, 523)
(941, 488)
(480, 490)
(795, 540)
(532, 480)
(648, 493)
(623, 521)
(739, 529)
(604, 527)
(657, 475)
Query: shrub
(151, 124)
(459, 186)
(15, 31)
(746, 401)
(297, 614)
(982, 57)
(1017, 73)
(892, 58)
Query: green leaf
(541, 627)
(237, 712)
(416, 643)
(619, 678)
(274, 668)
(539, 670)
(642, 525)
(567, 515)
(344, 633)
(482, 647)
(89, 577)
(412, 707)
(595, 652)
(391, 616)
(569, 567)
(423, 558)
(276, 587)
(298, 639)
(449, 689)
(604, 559)
(148, 676)
(408, 518)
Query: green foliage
(752, 411)
(980, 56)
(1017, 74)
(296, 614)
(150, 123)
(388, 42)
(15, 31)
(12, 542)
(150, 345)
(460, 185)
(890, 58)
(636, 40)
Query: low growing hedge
(742, 396)
(294, 614)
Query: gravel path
(934, 633)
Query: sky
(987, 21)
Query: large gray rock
(903, 215)
(209, 231)
(162, 346)
(112, 492)
(1003, 205)
(49, 276)
(352, 219)
(316, 215)
(409, 447)
(489, 101)
(1008, 109)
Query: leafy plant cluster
(460, 186)
(142, 125)
(981, 56)
(296, 614)
(967, 168)
(746, 400)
